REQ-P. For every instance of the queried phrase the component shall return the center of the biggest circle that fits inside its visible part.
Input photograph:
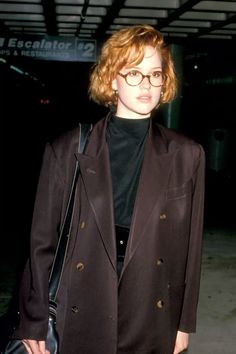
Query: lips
(144, 98)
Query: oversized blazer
(157, 292)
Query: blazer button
(75, 309)
(82, 225)
(160, 304)
(160, 261)
(162, 216)
(80, 266)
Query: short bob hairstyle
(126, 47)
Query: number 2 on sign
(87, 49)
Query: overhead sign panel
(49, 48)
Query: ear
(114, 85)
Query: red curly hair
(126, 47)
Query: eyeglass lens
(134, 78)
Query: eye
(134, 73)
(156, 74)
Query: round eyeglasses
(135, 77)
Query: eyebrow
(138, 68)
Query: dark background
(38, 110)
(35, 111)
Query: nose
(145, 82)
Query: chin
(147, 113)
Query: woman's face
(139, 101)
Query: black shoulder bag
(16, 346)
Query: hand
(181, 342)
(35, 346)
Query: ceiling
(96, 19)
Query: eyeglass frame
(143, 77)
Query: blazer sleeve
(193, 270)
(33, 296)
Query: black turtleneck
(126, 140)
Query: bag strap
(60, 255)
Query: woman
(131, 279)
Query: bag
(15, 346)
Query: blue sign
(49, 48)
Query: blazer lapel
(152, 185)
(96, 176)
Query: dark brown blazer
(157, 292)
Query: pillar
(171, 112)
